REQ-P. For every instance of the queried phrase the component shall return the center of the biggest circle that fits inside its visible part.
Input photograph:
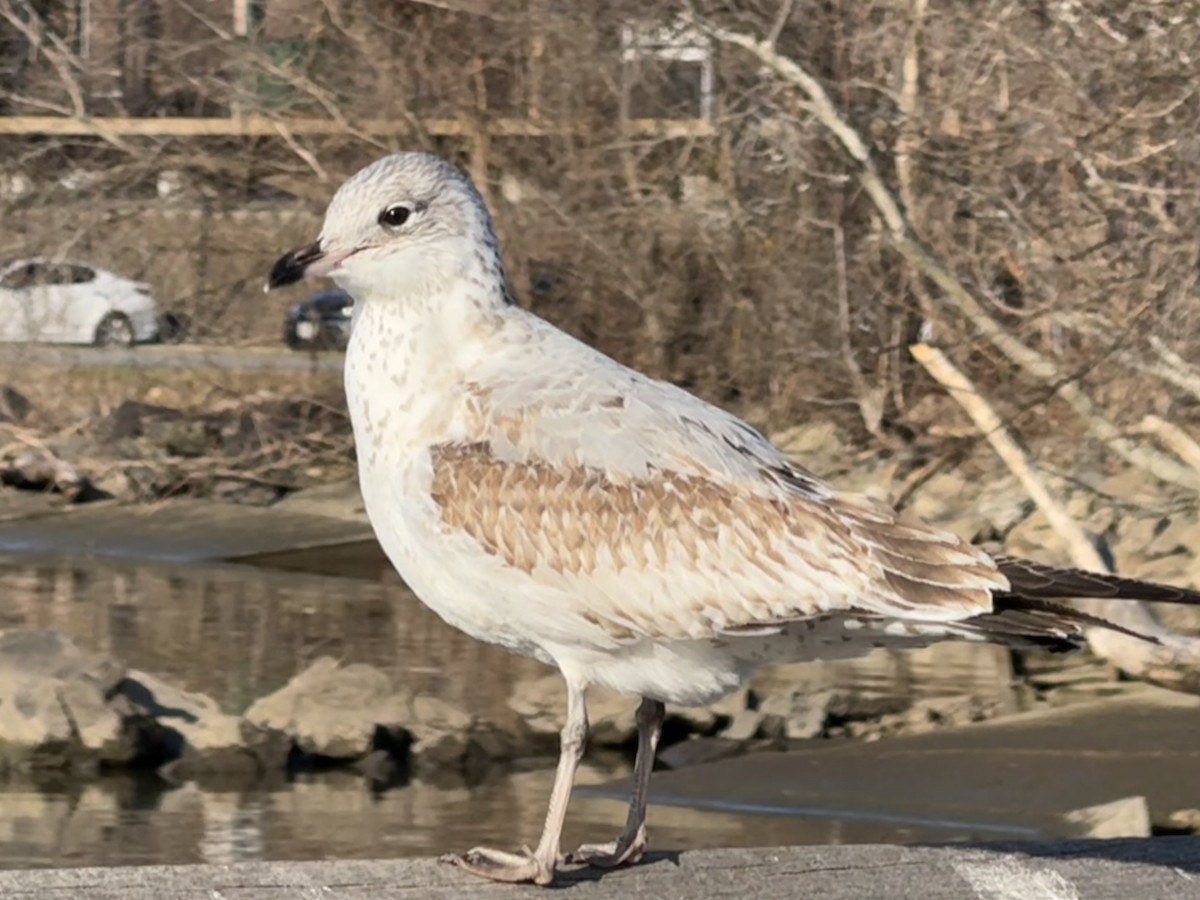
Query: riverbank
(227, 601)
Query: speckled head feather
(407, 225)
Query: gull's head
(405, 225)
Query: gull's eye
(394, 216)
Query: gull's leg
(538, 865)
(628, 848)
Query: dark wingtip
(1035, 580)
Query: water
(237, 632)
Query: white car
(69, 303)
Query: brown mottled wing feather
(1036, 581)
(679, 555)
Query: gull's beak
(297, 265)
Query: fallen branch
(1174, 438)
(1174, 662)
(919, 256)
(1173, 368)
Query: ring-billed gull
(539, 495)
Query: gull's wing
(665, 517)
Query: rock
(488, 747)
(14, 406)
(114, 482)
(37, 470)
(925, 714)
(187, 734)
(542, 706)
(1127, 817)
(130, 418)
(334, 711)
(745, 726)
(441, 733)
(35, 732)
(453, 756)
(803, 714)
(698, 750)
(1182, 821)
(100, 731)
(353, 713)
(382, 768)
(53, 712)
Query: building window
(667, 71)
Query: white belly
(433, 566)
(474, 593)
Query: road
(195, 357)
(1151, 869)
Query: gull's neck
(410, 352)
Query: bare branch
(918, 255)
(1173, 662)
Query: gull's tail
(1038, 582)
(1033, 611)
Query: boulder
(542, 705)
(35, 732)
(803, 714)
(100, 731)
(1127, 817)
(1181, 821)
(699, 750)
(64, 707)
(187, 734)
(53, 711)
(334, 711)
(746, 726)
(354, 714)
(448, 741)
(440, 731)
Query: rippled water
(237, 632)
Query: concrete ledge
(1154, 869)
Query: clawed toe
(608, 856)
(500, 865)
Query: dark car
(322, 322)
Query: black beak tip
(287, 270)
(291, 267)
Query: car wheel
(115, 330)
